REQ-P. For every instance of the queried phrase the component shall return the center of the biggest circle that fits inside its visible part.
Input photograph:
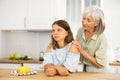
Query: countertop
(6, 60)
(5, 75)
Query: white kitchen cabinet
(114, 69)
(41, 13)
(12, 14)
(80, 68)
(35, 66)
(9, 66)
(15, 66)
(30, 14)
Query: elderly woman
(91, 41)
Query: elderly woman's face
(88, 23)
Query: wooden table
(5, 75)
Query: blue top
(62, 57)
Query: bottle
(41, 56)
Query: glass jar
(41, 56)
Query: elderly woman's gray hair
(97, 14)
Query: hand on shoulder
(73, 49)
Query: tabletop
(5, 75)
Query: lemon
(23, 69)
(12, 56)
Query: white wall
(111, 9)
(25, 43)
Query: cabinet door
(35, 66)
(9, 66)
(80, 68)
(12, 14)
(41, 13)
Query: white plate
(14, 72)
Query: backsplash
(24, 42)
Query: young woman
(61, 56)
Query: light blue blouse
(62, 57)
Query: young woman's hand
(51, 71)
(62, 71)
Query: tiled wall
(24, 42)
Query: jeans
(84, 68)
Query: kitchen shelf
(114, 63)
(7, 60)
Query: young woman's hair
(97, 15)
(63, 24)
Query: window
(74, 12)
(91, 3)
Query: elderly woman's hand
(77, 45)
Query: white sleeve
(71, 62)
(47, 58)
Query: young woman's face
(88, 23)
(59, 33)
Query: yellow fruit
(11, 56)
(17, 56)
(23, 69)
